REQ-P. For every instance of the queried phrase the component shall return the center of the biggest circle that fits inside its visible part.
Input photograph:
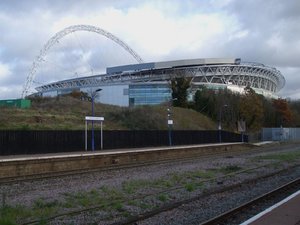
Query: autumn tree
(295, 108)
(283, 112)
(269, 119)
(251, 109)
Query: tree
(283, 112)
(251, 109)
(205, 101)
(269, 119)
(215, 102)
(179, 86)
(295, 108)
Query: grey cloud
(24, 27)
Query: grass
(9, 214)
(133, 185)
(118, 205)
(190, 187)
(204, 174)
(281, 157)
(68, 113)
(111, 199)
(162, 197)
(230, 169)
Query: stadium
(149, 83)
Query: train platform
(10, 158)
(286, 212)
(28, 165)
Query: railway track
(162, 207)
(173, 205)
(237, 214)
(225, 217)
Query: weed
(9, 214)
(40, 203)
(133, 185)
(126, 214)
(162, 197)
(204, 174)
(118, 206)
(282, 157)
(163, 182)
(145, 205)
(230, 169)
(42, 208)
(7, 221)
(190, 187)
(111, 193)
(176, 178)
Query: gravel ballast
(123, 193)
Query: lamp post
(93, 99)
(220, 123)
(170, 121)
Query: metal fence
(280, 134)
(35, 142)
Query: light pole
(220, 123)
(170, 121)
(93, 99)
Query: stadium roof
(171, 64)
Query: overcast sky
(264, 31)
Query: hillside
(67, 113)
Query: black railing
(35, 142)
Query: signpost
(242, 128)
(93, 119)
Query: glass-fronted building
(148, 94)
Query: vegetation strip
(173, 205)
(165, 207)
(114, 199)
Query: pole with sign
(93, 119)
(242, 128)
(170, 124)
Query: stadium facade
(149, 83)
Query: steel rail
(171, 205)
(213, 221)
(221, 219)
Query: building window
(148, 94)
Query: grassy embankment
(67, 113)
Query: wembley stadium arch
(148, 83)
(61, 34)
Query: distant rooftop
(171, 64)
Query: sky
(263, 31)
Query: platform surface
(10, 158)
(286, 212)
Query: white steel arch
(52, 41)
